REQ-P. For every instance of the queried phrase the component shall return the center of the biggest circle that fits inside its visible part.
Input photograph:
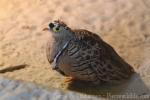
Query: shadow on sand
(134, 87)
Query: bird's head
(60, 29)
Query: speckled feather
(101, 58)
(87, 57)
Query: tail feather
(116, 61)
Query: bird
(80, 54)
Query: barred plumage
(86, 56)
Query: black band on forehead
(60, 23)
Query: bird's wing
(106, 62)
(91, 39)
(87, 36)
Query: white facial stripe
(56, 24)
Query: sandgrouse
(83, 55)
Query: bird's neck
(59, 42)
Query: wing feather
(108, 61)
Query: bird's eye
(56, 29)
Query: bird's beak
(51, 25)
(46, 29)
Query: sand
(124, 24)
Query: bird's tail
(120, 63)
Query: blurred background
(124, 24)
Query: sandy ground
(122, 23)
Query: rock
(16, 90)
